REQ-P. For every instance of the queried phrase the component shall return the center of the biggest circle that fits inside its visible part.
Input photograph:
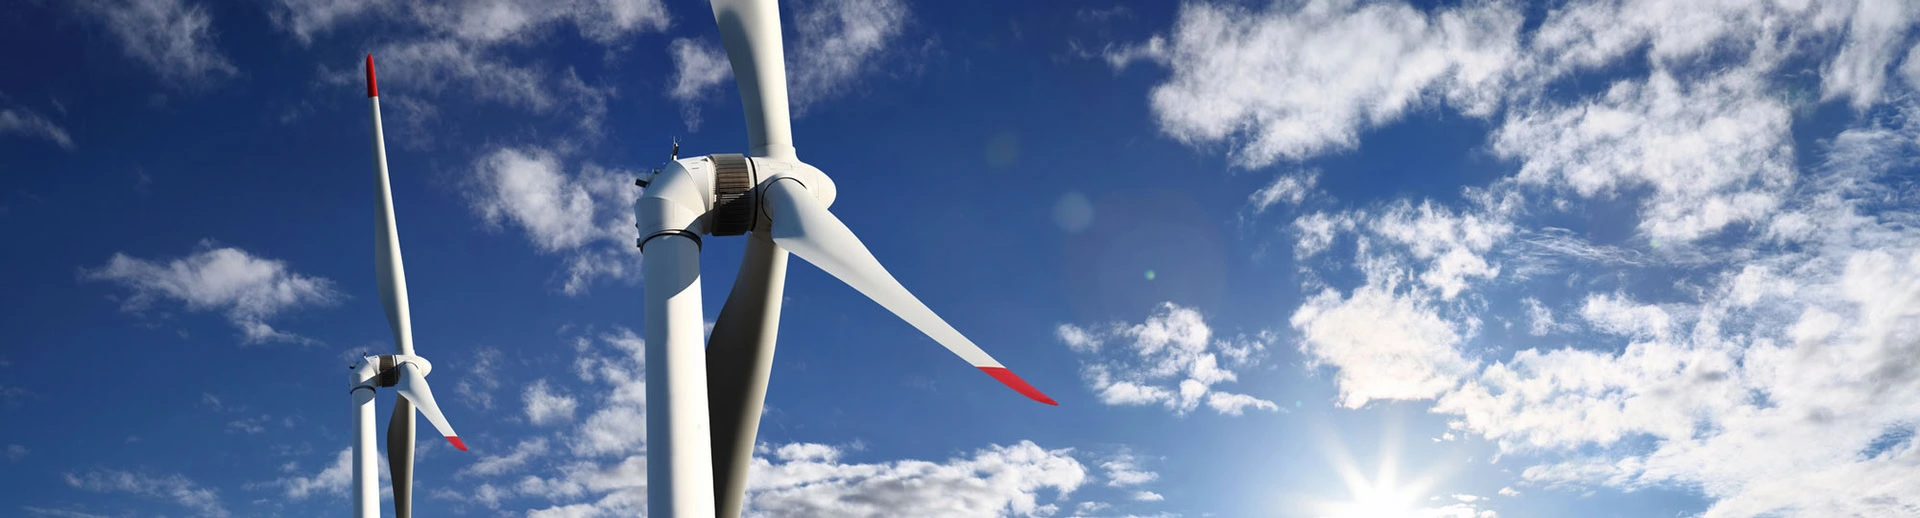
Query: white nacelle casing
(367, 371)
(680, 196)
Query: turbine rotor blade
(803, 226)
(400, 457)
(751, 31)
(739, 359)
(387, 264)
(413, 387)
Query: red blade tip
(456, 443)
(373, 87)
(1018, 385)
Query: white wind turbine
(697, 467)
(404, 371)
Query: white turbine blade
(400, 457)
(414, 387)
(751, 31)
(387, 265)
(803, 226)
(739, 360)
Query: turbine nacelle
(385, 370)
(720, 195)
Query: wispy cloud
(490, 465)
(177, 488)
(249, 290)
(699, 71)
(835, 43)
(175, 38)
(26, 122)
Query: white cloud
(173, 37)
(496, 22)
(1452, 245)
(308, 18)
(1540, 318)
(59, 513)
(250, 425)
(177, 488)
(1290, 188)
(470, 49)
(1874, 34)
(16, 452)
(1147, 496)
(1383, 342)
(1774, 385)
(699, 70)
(835, 43)
(1299, 79)
(248, 289)
(544, 406)
(601, 471)
(586, 215)
(334, 480)
(515, 21)
(1714, 152)
(26, 122)
(1317, 231)
(1172, 359)
(491, 465)
(478, 380)
(1124, 470)
(613, 430)
(998, 480)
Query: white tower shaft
(366, 461)
(679, 469)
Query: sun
(1384, 494)
(1374, 501)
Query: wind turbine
(697, 467)
(404, 371)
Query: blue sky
(1301, 258)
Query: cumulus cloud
(176, 488)
(334, 480)
(600, 467)
(1383, 342)
(1714, 152)
(1124, 470)
(587, 216)
(545, 406)
(1171, 359)
(26, 122)
(175, 38)
(249, 290)
(997, 480)
(1293, 80)
(1765, 376)
(1452, 245)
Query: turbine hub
(733, 196)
